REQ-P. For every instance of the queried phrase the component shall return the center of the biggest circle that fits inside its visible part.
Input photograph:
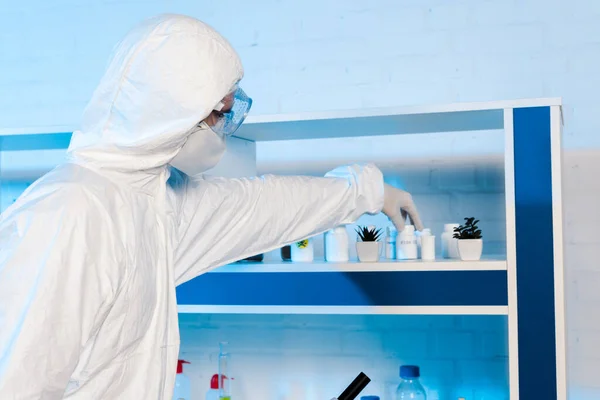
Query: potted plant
(302, 251)
(470, 242)
(368, 248)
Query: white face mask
(202, 151)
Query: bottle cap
(426, 232)
(450, 227)
(339, 229)
(409, 229)
(409, 371)
(214, 381)
(369, 398)
(180, 365)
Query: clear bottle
(182, 389)
(410, 388)
(390, 243)
(224, 389)
(214, 392)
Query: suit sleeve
(225, 220)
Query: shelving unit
(527, 285)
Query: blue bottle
(410, 388)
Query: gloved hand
(397, 205)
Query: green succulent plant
(368, 234)
(469, 230)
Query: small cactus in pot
(368, 248)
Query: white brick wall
(316, 55)
(447, 183)
(301, 357)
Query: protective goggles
(237, 106)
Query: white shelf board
(360, 122)
(384, 121)
(345, 310)
(355, 266)
(38, 130)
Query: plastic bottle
(406, 244)
(337, 245)
(214, 393)
(183, 388)
(224, 389)
(390, 243)
(410, 388)
(303, 251)
(418, 234)
(286, 253)
(427, 245)
(449, 244)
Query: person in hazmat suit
(91, 253)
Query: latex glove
(397, 205)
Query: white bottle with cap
(427, 245)
(337, 245)
(406, 244)
(449, 244)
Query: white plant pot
(302, 251)
(470, 249)
(453, 248)
(368, 251)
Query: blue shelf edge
(396, 288)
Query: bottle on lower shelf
(410, 388)
(215, 385)
(182, 389)
(224, 387)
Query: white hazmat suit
(91, 253)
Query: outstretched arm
(225, 220)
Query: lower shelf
(354, 288)
(313, 357)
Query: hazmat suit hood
(163, 78)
